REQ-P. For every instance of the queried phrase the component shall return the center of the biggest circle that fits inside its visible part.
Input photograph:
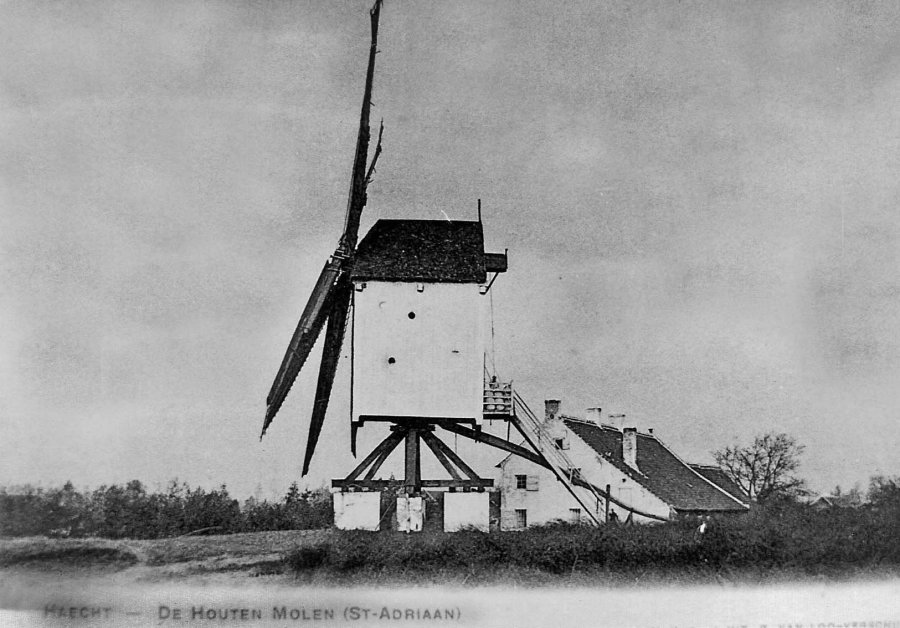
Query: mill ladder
(557, 461)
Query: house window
(521, 481)
(521, 518)
(561, 443)
(575, 514)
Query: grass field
(554, 556)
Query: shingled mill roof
(448, 251)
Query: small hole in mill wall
(391, 360)
(412, 315)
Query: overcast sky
(699, 200)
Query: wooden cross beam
(394, 484)
(435, 442)
(379, 454)
(499, 443)
(441, 457)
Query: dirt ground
(225, 560)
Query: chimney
(594, 415)
(629, 447)
(617, 420)
(551, 408)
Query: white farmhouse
(635, 475)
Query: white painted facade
(466, 510)
(545, 499)
(357, 510)
(418, 350)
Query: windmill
(417, 292)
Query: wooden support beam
(455, 459)
(413, 467)
(578, 481)
(382, 484)
(379, 461)
(388, 444)
(499, 443)
(412, 421)
(606, 508)
(521, 431)
(429, 439)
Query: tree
(884, 491)
(847, 499)
(765, 468)
(293, 495)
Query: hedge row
(788, 536)
(130, 511)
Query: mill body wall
(418, 350)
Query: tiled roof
(718, 477)
(661, 471)
(450, 251)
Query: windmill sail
(334, 338)
(360, 178)
(330, 298)
(311, 322)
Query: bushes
(796, 536)
(355, 551)
(793, 537)
(307, 510)
(129, 511)
(308, 557)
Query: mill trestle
(508, 406)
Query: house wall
(544, 500)
(550, 500)
(428, 365)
